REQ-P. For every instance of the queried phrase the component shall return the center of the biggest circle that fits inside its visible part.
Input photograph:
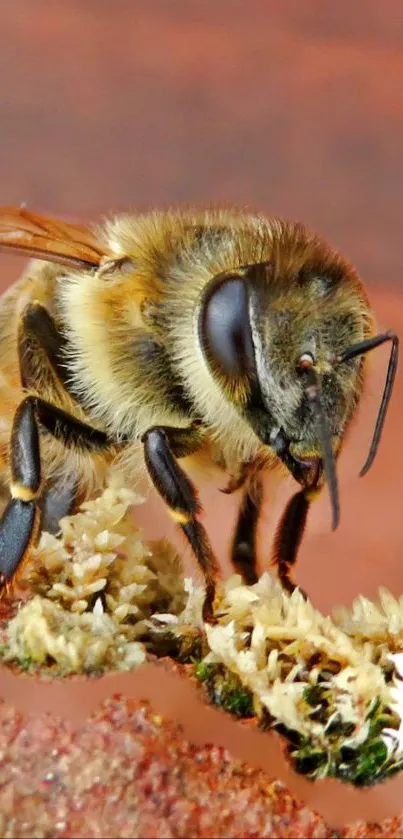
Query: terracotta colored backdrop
(293, 107)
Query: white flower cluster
(98, 593)
(93, 589)
(279, 646)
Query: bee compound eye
(225, 329)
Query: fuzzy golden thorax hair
(135, 350)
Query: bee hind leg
(162, 446)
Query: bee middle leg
(162, 447)
(243, 554)
(21, 522)
(288, 539)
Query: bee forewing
(44, 238)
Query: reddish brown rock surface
(74, 759)
(128, 773)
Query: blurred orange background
(294, 108)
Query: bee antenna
(314, 394)
(360, 349)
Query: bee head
(287, 352)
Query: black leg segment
(243, 554)
(19, 525)
(288, 538)
(38, 334)
(168, 478)
(21, 522)
(160, 451)
(58, 500)
(25, 454)
(18, 529)
(69, 430)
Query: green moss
(366, 765)
(313, 695)
(335, 753)
(360, 764)
(26, 663)
(191, 648)
(225, 689)
(238, 701)
(202, 671)
(311, 762)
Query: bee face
(294, 330)
(264, 330)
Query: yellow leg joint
(313, 494)
(179, 516)
(22, 493)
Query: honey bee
(152, 338)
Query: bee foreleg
(160, 452)
(69, 430)
(288, 538)
(20, 524)
(243, 553)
